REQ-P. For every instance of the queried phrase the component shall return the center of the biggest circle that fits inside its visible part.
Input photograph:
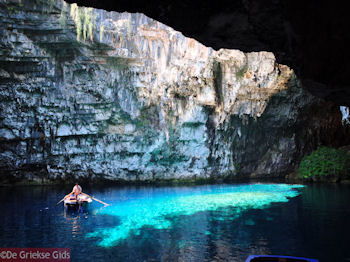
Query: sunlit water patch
(157, 210)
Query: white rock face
(345, 114)
(139, 101)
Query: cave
(189, 130)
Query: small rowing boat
(77, 203)
(77, 199)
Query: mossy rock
(192, 124)
(166, 157)
(240, 73)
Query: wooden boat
(76, 204)
(257, 258)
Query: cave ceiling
(310, 36)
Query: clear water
(196, 223)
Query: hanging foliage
(84, 20)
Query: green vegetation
(102, 29)
(241, 71)
(84, 20)
(325, 161)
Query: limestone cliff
(90, 94)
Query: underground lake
(214, 130)
(222, 222)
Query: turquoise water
(158, 210)
(225, 222)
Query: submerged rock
(90, 94)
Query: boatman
(76, 192)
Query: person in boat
(76, 193)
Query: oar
(97, 200)
(60, 201)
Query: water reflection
(73, 220)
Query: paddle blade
(60, 201)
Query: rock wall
(90, 94)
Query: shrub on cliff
(325, 162)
